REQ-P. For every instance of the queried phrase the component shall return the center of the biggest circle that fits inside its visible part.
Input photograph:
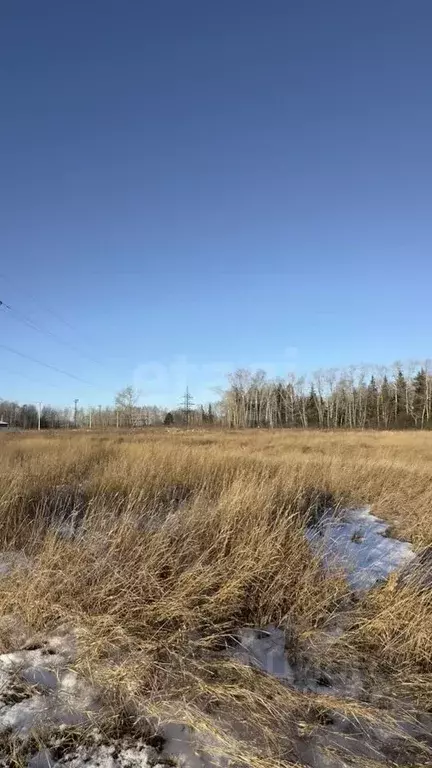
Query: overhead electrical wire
(29, 378)
(30, 324)
(45, 308)
(45, 365)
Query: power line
(29, 378)
(26, 320)
(57, 316)
(45, 365)
(39, 303)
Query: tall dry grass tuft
(157, 547)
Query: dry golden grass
(190, 535)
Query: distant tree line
(356, 398)
(125, 413)
(359, 397)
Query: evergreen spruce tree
(386, 403)
(372, 405)
(420, 391)
(402, 419)
(311, 409)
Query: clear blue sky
(195, 186)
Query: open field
(155, 549)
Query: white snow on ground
(37, 688)
(264, 649)
(9, 561)
(117, 755)
(191, 749)
(356, 541)
(350, 736)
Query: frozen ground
(40, 690)
(119, 754)
(357, 542)
(11, 560)
(333, 743)
(265, 650)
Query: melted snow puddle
(357, 542)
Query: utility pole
(187, 406)
(100, 416)
(39, 405)
(76, 401)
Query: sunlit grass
(187, 536)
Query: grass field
(187, 536)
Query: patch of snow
(42, 759)
(358, 543)
(192, 749)
(116, 755)
(264, 649)
(181, 744)
(10, 561)
(37, 689)
(182, 747)
(44, 678)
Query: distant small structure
(3, 425)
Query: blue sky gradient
(191, 187)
